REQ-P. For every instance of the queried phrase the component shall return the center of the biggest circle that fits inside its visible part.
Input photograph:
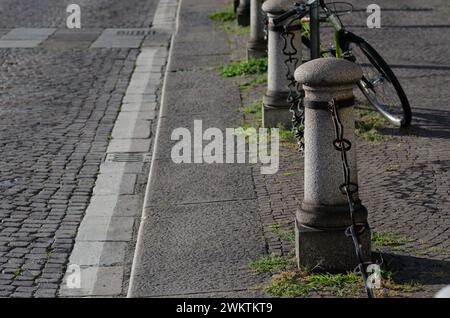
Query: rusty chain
(349, 189)
(295, 97)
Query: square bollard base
(257, 53)
(275, 111)
(243, 18)
(328, 250)
(256, 49)
(275, 117)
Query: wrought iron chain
(266, 24)
(348, 189)
(295, 97)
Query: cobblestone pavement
(95, 14)
(404, 181)
(58, 105)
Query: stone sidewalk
(203, 224)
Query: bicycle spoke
(378, 89)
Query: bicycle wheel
(379, 83)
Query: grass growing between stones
(281, 233)
(225, 15)
(228, 22)
(246, 67)
(271, 264)
(388, 239)
(367, 125)
(289, 281)
(250, 73)
(287, 135)
(251, 81)
(303, 284)
(394, 289)
(252, 114)
(253, 108)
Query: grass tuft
(252, 81)
(287, 135)
(253, 108)
(282, 234)
(225, 15)
(248, 67)
(301, 284)
(288, 284)
(367, 125)
(388, 239)
(270, 264)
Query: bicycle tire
(403, 116)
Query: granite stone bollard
(243, 13)
(257, 45)
(324, 214)
(275, 104)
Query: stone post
(243, 13)
(324, 214)
(314, 26)
(275, 105)
(257, 45)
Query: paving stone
(106, 229)
(117, 38)
(131, 126)
(129, 145)
(115, 184)
(26, 34)
(98, 253)
(89, 275)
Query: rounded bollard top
(278, 6)
(324, 72)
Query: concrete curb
(139, 244)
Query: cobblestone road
(58, 105)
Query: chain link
(348, 189)
(295, 96)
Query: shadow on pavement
(426, 123)
(424, 271)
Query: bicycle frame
(313, 25)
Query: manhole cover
(128, 157)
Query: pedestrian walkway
(201, 225)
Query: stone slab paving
(404, 181)
(201, 225)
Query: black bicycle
(379, 84)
